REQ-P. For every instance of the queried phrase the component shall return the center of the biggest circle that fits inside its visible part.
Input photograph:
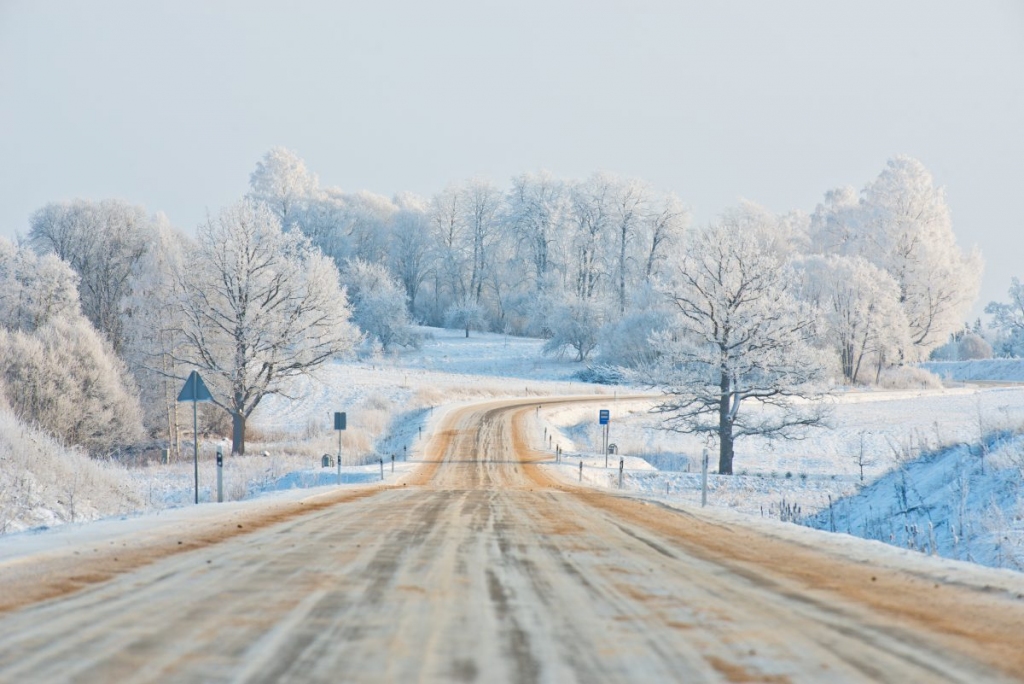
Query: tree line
(757, 306)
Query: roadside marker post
(381, 468)
(581, 470)
(195, 391)
(392, 463)
(220, 474)
(622, 462)
(340, 420)
(704, 479)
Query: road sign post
(604, 418)
(195, 391)
(339, 425)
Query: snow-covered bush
(64, 379)
(908, 377)
(45, 483)
(627, 342)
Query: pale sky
(171, 104)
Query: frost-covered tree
(378, 304)
(104, 243)
(409, 250)
(862, 317)
(153, 333)
(902, 224)
(741, 336)
(465, 315)
(590, 216)
(1008, 321)
(260, 306)
(64, 379)
(34, 289)
(535, 209)
(574, 323)
(283, 182)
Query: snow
(986, 370)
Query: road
(480, 567)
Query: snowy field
(932, 470)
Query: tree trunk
(237, 433)
(725, 439)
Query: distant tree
(409, 251)
(282, 181)
(574, 323)
(64, 379)
(902, 224)
(260, 306)
(740, 336)
(974, 347)
(378, 304)
(104, 242)
(465, 315)
(1008, 321)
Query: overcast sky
(170, 104)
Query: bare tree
(260, 306)
(740, 335)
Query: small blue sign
(603, 416)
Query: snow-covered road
(480, 567)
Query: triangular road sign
(195, 389)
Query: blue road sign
(194, 389)
(603, 416)
(339, 420)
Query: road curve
(479, 567)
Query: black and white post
(220, 474)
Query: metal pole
(704, 480)
(605, 445)
(339, 456)
(195, 446)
